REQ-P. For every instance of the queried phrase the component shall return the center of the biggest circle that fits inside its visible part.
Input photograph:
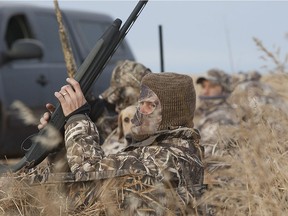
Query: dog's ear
(120, 126)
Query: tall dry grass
(256, 182)
(255, 178)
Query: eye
(153, 105)
(126, 119)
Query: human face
(210, 89)
(148, 115)
(146, 107)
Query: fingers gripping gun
(86, 75)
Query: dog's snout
(128, 138)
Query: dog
(121, 137)
(125, 124)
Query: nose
(128, 138)
(146, 107)
(143, 110)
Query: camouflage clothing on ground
(213, 114)
(241, 77)
(218, 77)
(253, 98)
(248, 101)
(144, 171)
(123, 91)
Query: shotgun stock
(86, 75)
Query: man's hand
(70, 97)
(46, 116)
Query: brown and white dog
(125, 124)
(121, 136)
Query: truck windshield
(91, 31)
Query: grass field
(255, 184)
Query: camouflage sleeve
(82, 144)
(85, 156)
(84, 153)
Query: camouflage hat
(217, 77)
(126, 73)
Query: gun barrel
(95, 62)
(86, 75)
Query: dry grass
(17, 197)
(256, 182)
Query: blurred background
(199, 35)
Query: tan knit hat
(177, 97)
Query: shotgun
(86, 75)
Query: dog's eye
(127, 120)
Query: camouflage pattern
(248, 101)
(241, 77)
(123, 91)
(213, 114)
(221, 119)
(106, 123)
(219, 77)
(113, 143)
(252, 98)
(145, 175)
(147, 123)
(212, 117)
(125, 84)
(226, 110)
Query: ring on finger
(63, 94)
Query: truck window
(17, 28)
(91, 31)
(48, 34)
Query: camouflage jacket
(143, 178)
(212, 115)
(106, 124)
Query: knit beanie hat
(177, 97)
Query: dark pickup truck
(32, 65)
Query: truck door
(86, 29)
(31, 81)
(20, 82)
(52, 68)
